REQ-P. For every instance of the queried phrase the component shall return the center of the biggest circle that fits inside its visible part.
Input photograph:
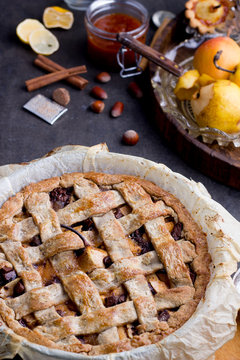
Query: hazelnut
(103, 77)
(117, 109)
(130, 137)
(99, 93)
(97, 106)
(134, 90)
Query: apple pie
(94, 263)
(208, 15)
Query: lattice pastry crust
(134, 275)
(208, 15)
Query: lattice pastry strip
(169, 252)
(39, 206)
(86, 207)
(143, 207)
(83, 292)
(22, 231)
(146, 264)
(113, 236)
(125, 269)
(62, 242)
(173, 298)
(37, 299)
(18, 256)
(90, 323)
(141, 295)
(77, 284)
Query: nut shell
(61, 96)
(103, 77)
(130, 137)
(117, 109)
(97, 106)
(99, 93)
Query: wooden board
(231, 350)
(220, 163)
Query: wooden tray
(220, 163)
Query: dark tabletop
(24, 137)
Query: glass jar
(78, 4)
(104, 19)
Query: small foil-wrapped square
(45, 108)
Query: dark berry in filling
(145, 245)
(60, 312)
(18, 289)
(87, 224)
(35, 241)
(107, 261)
(177, 230)
(79, 252)
(81, 339)
(22, 323)
(163, 315)
(169, 219)
(117, 213)
(7, 274)
(102, 188)
(134, 328)
(60, 197)
(54, 280)
(71, 306)
(114, 300)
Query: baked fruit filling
(95, 263)
(208, 15)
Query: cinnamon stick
(40, 81)
(51, 66)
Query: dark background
(24, 137)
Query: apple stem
(216, 58)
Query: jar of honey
(104, 19)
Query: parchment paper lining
(214, 321)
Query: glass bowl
(164, 83)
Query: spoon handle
(149, 53)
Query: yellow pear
(204, 55)
(218, 106)
(187, 85)
(205, 79)
(236, 76)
